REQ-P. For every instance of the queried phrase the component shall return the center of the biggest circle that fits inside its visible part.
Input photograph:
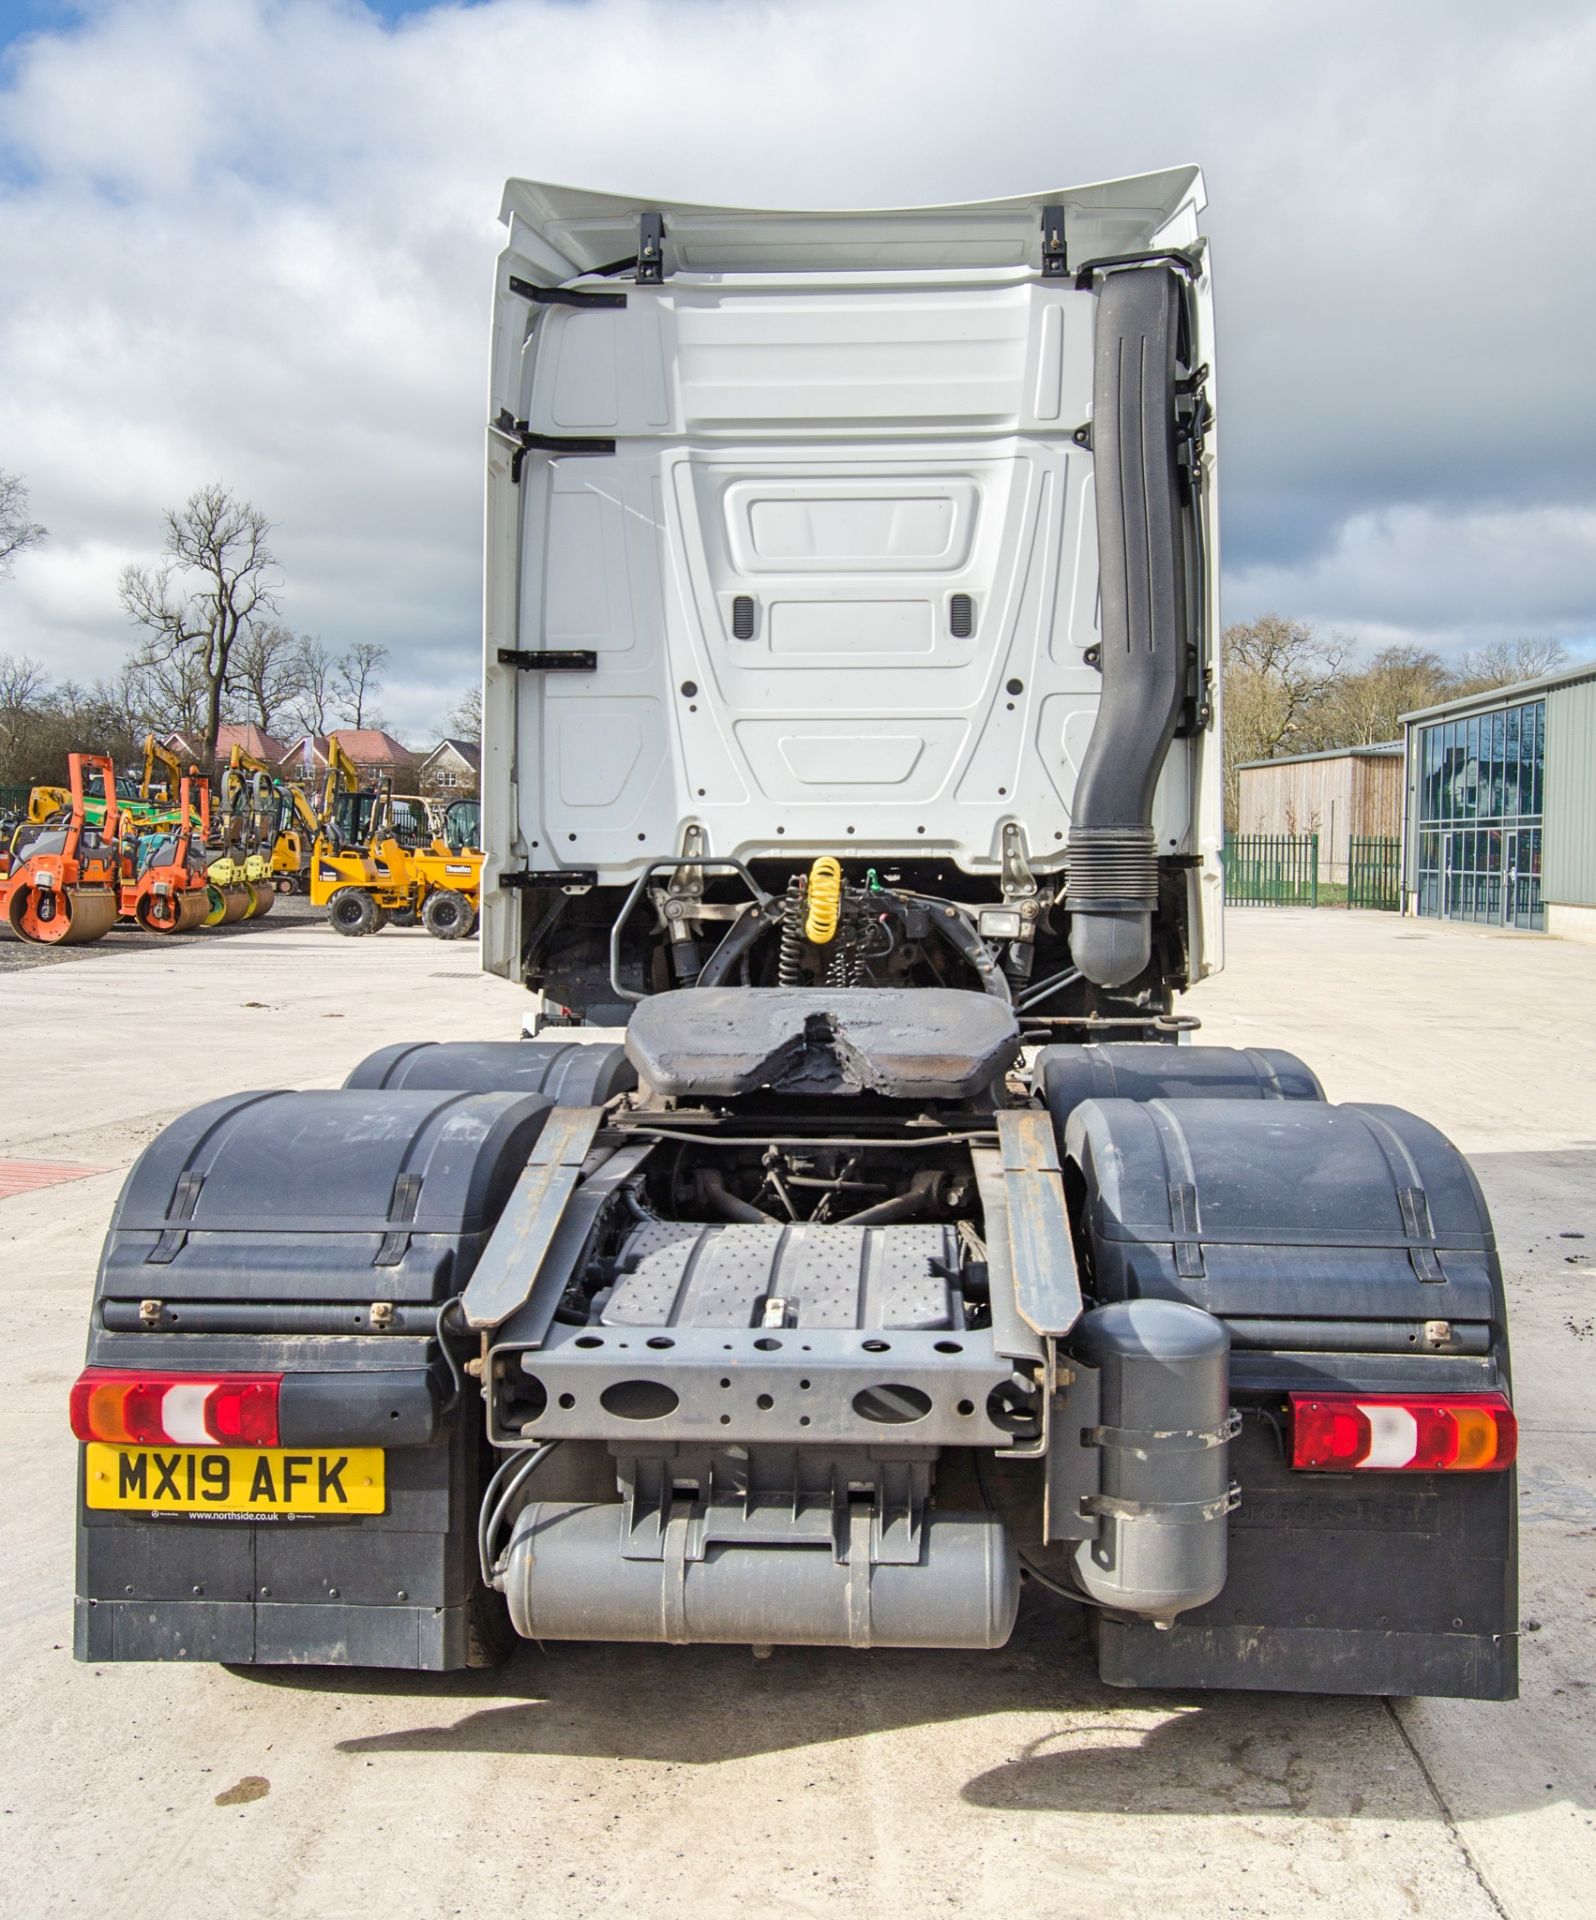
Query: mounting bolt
(381, 1315)
(149, 1313)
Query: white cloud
(253, 238)
(1447, 579)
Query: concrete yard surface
(596, 1781)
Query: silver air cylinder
(566, 1579)
(1165, 1454)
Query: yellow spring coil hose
(825, 901)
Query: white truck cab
(793, 550)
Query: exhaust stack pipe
(1112, 884)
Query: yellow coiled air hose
(825, 901)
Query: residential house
(375, 753)
(189, 746)
(453, 770)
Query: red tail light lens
(176, 1409)
(1402, 1433)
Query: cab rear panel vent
(961, 616)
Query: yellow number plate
(235, 1481)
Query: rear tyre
(447, 916)
(352, 911)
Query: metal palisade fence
(1272, 869)
(1374, 874)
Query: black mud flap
(316, 1236)
(1346, 1249)
(397, 1589)
(1345, 1583)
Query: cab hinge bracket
(650, 249)
(1055, 259)
(1018, 881)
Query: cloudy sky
(252, 239)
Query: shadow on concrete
(1106, 1751)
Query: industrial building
(1501, 806)
(1345, 794)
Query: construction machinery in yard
(449, 887)
(447, 868)
(851, 710)
(164, 886)
(385, 859)
(242, 882)
(358, 870)
(162, 775)
(145, 800)
(287, 822)
(61, 889)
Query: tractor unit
(851, 763)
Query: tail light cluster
(176, 1409)
(1402, 1432)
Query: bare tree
(265, 675)
(1278, 674)
(1367, 704)
(172, 689)
(357, 675)
(311, 708)
(24, 696)
(465, 723)
(212, 586)
(1504, 662)
(23, 682)
(40, 724)
(17, 531)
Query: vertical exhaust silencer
(1111, 888)
(1166, 1498)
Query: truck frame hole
(891, 1405)
(639, 1399)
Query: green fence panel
(1272, 869)
(1374, 874)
